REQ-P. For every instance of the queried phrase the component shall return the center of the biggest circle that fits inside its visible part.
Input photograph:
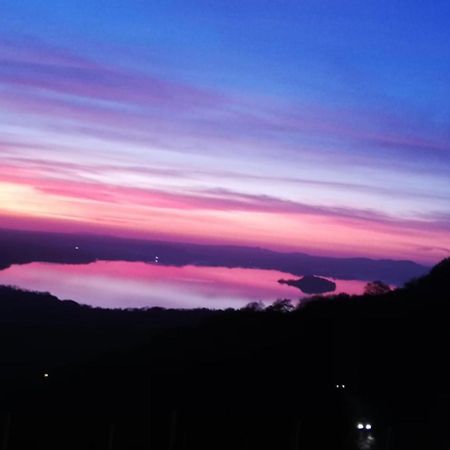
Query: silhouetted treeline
(243, 379)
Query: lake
(119, 284)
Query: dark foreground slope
(230, 380)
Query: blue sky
(339, 108)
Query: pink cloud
(65, 85)
(217, 216)
(57, 91)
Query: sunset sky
(317, 126)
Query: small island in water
(311, 284)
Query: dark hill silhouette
(18, 306)
(233, 379)
(438, 280)
(19, 247)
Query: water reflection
(118, 284)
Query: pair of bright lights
(340, 386)
(361, 426)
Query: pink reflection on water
(118, 284)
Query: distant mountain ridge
(21, 247)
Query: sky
(315, 126)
